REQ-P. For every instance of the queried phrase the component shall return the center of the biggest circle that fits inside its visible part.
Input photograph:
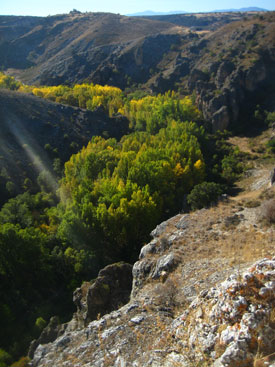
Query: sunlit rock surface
(185, 310)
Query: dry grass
(268, 211)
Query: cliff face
(231, 70)
(198, 298)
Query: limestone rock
(49, 334)
(220, 119)
(186, 308)
(165, 263)
(224, 326)
(159, 229)
(242, 323)
(111, 289)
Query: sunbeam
(33, 151)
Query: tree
(204, 194)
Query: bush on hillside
(271, 146)
(5, 358)
(204, 194)
(268, 211)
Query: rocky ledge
(232, 324)
(199, 298)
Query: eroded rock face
(181, 311)
(223, 97)
(164, 262)
(53, 330)
(225, 326)
(234, 322)
(110, 290)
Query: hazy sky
(51, 7)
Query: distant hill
(74, 44)
(227, 59)
(76, 47)
(153, 13)
(252, 8)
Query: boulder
(110, 290)
(164, 263)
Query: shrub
(271, 146)
(270, 118)
(252, 204)
(48, 147)
(40, 323)
(10, 187)
(204, 194)
(5, 358)
(73, 145)
(268, 211)
(232, 166)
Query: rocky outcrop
(233, 324)
(232, 92)
(235, 73)
(230, 70)
(190, 303)
(110, 290)
(229, 325)
(52, 331)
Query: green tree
(204, 194)
(5, 358)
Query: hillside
(231, 70)
(154, 13)
(68, 48)
(179, 313)
(35, 132)
(200, 21)
(101, 47)
(225, 58)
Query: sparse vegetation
(271, 146)
(268, 211)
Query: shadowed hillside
(73, 47)
(35, 132)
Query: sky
(52, 7)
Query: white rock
(183, 222)
(137, 320)
(166, 262)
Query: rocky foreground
(203, 294)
